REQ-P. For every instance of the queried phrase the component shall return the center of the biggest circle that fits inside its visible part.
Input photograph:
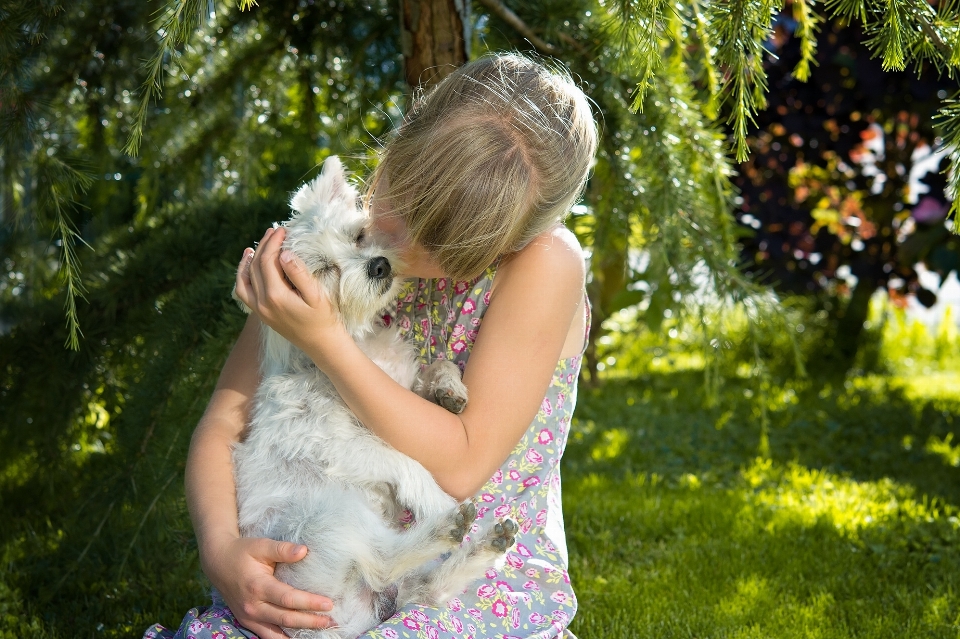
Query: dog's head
(329, 232)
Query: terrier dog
(308, 472)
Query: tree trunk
(434, 37)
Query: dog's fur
(307, 471)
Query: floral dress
(530, 595)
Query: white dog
(307, 471)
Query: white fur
(309, 472)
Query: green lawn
(847, 528)
(836, 519)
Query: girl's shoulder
(553, 256)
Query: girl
(472, 191)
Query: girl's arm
(240, 568)
(536, 296)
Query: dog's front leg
(441, 383)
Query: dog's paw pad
(503, 535)
(450, 400)
(462, 520)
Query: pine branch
(638, 35)
(504, 13)
(947, 122)
(808, 23)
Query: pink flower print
(472, 336)
(550, 547)
(423, 285)
(458, 330)
(469, 306)
(411, 623)
(497, 477)
(490, 574)
(559, 597)
(451, 316)
(532, 572)
(481, 511)
(487, 497)
(486, 591)
(545, 437)
(472, 628)
(226, 628)
(514, 561)
(442, 284)
(523, 550)
(405, 323)
(406, 516)
(502, 585)
(390, 633)
(501, 511)
(459, 347)
(533, 480)
(569, 378)
(216, 634)
(523, 506)
(514, 475)
(419, 616)
(476, 614)
(460, 287)
(542, 517)
(475, 321)
(566, 576)
(531, 585)
(444, 300)
(425, 325)
(455, 605)
(432, 633)
(433, 340)
(387, 320)
(561, 616)
(486, 298)
(457, 624)
(536, 618)
(533, 456)
(499, 608)
(515, 617)
(545, 406)
(441, 626)
(196, 625)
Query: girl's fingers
(243, 277)
(270, 272)
(285, 596)
(296, 272)
(286, 618)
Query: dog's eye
(362, 235)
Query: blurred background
(765, 442)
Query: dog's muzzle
(378, 268)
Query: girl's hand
(276, 286)
(242, 570)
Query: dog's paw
(463, 519)
(448, 398)
(503, 535)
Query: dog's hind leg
(434, 585)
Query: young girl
(472, 191)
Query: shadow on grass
(848, 527)
(875, 427)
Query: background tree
(252, 100)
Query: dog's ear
(330, 187)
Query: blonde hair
(495, 154)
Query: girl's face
(417, 262)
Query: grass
(846, 528)
(810, 509)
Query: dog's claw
(463, 520)
(451, 402)
(504, 535)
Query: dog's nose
(378, 268)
